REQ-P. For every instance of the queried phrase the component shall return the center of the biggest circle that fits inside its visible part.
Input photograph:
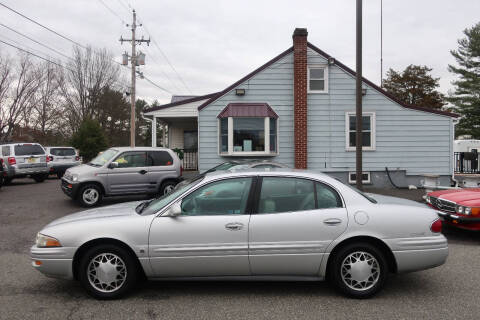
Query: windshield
(157, 204)
(103, 158)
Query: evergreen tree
(414, 86)
(89, 139)
(466, 97)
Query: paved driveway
(447, 292)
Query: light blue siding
(415, 141)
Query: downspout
(454, 123)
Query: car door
(209, 238)
(131, 174)
(295, 220)
(160, 164)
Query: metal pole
(358, 89)
(132, 96)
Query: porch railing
(466, 162)
(190, 158)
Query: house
(299, 109)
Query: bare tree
(21, 84)
(48, 110)
(90, 72)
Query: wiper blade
(139, 209)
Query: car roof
(15, 143)
(269, 171)
(60, 147)
(139, 148)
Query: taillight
(77, 158)
(11, 160)
(436, 226)
(49, 158)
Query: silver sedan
(260, 225)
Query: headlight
(74, 177)
(460, 209)
(428, 200)
(44, 241)
(467, 210)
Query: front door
(295, 221)
(131, 175)
(209, 238)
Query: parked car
(61, 158)
(236, 165)
(122, 171)
(245, 225)
(24, 160)
(2, 172)
(457, 207)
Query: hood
(439, 193)
(114, 211)
(82, 169)
(470, 195)
(381, 199)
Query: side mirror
(174, 211)
(113, 165)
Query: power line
(112, 11)
(35, 55)
(37, 42)
(125, 6)
(156, 85)
(41, 25)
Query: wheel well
(174, 180)
(102, 189)
(392, 263)
(92, 243)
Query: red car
(457, 207)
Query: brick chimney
(300, 96)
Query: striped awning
(252, 110)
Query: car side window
(6, 151)
(159, 158)
(225, 197)
(284, 194)
(131, 159)
(327, 197)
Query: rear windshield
(28, 149)
(62, 152)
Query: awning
(257, 110)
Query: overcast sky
(213, 43)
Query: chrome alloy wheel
(168, 189)
(107, 272)
(90, 196)
(360, 271)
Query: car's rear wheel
(60, 174)
(167, 187)
(358, 270)
(89, 195)
(108, 272)
(7, 181)
(40, 177)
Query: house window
(248, 135)
(368, 131)
(317, 79)
(352, 177)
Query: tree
(414, 86)
(89, 139)
(466, 95)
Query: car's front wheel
(89, 195)
(108, 272)
(358, 270)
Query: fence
(190, 158)
(466, 162)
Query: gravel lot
(447, 292)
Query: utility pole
(381, 43)
(358, 93)
(134, 61)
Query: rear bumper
(21, 172)
(415, 260)
(53, 262)
(56, 168)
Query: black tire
(1, 179)
(7, 181)
(359, 252)
(167, 187)
(95, 192)
(40, 177)
(102, 254)
(60, 174)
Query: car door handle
(234, 226)
(332, 221)
(142, 171)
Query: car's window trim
(162, 211)
(259, 189)
(130, 151)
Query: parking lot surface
(447, 292)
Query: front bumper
(53, 262)
(455, 218)
(69, 188)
